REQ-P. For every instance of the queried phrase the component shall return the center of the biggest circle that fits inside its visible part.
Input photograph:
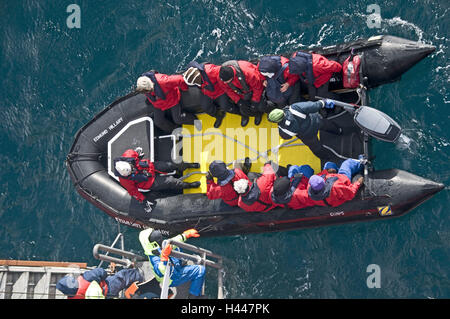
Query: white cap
(240, 186)
(144, 84)
(123, 168)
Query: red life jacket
(83, 285)
(290, 199)
(350, 71)
(258, 199)
(170, 86)
(212, 72)
(323, 69)
(226, 192)
(137, 180)
(342, 190)
(247, 81)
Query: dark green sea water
(54, 79)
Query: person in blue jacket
(75, 288)
(303, 120)
(151, 241)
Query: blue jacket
(301, 119)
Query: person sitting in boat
(223, 189)
(96, 283)
(151, 241)
(333, 189)
(315, 72)
(255, 196)
(282, 87)
(303, 120)
(243, 83)
(213, 101)
(138, 175)
(163, 92)
(284, 189)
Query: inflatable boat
(128, 123)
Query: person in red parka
(214, 101)
(223, 189)
(284, 188)
(255, 196)
(139, 175)
(282, 87)
(163, 93)
(243, 83)
(315, 72)
(332, 189)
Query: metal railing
(126, 260)
(197, 259)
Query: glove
(298, 175)
(329, 104)
(191, 233)
(166, 252)
(148, 206)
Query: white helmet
(240, 186)
(123, 168)
(144, 84)
(192, 77)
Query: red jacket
(288, 77)
(294, 203)
(171, 85)
(323, 69)
(253, 78)
(212, 71)
(343, 190)
(226, 192)
(83, 285)
(264, 202)
(133, 186)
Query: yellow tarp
(231, 142)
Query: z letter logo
(73, 20)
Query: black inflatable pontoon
(128, 122)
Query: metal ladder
(199, 256)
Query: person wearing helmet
(303, 120)
(243, 83)
(282, 87)
(163, 92)
(151, 241)
(213, 101)
(96, 283)
(139, 175)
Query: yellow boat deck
(232, 142)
